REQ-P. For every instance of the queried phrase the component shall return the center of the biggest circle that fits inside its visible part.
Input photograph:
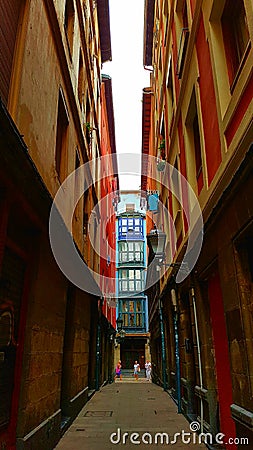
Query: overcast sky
(128, 78)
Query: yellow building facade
(50, 78)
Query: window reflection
(132, 313)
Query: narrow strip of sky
(128, 78)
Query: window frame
(130, 251)
(133, 318)
(61, 137)
(129, 282)
(233, 36)
(133, 225)
(69, 24)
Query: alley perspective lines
(122, 414)
(118, 256)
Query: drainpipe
(163, 347)
(98, 346)
(199, 359)
(177, 355)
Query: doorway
(132, 349)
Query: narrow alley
(126, 224)
(141, 409)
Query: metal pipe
(177, 354)
(199, 360)
(98, 356)
(98, 343)
(163, 347)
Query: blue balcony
(133, 313)
(130, 229)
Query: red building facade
(197, 116)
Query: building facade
(132, 306)
(109, 185)
(50, 111)
(197, 117)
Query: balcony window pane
(138, 306)
(124, 307)
(124, 285)
(139, 320)
(138, 274)
(131, 306)
(131, 286)
(138, 285)
(137, 256)
(125, 320)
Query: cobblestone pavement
(128, 407)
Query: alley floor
(125, 414)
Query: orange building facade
(198, 119)
(50, 125)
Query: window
(61, 138)
(192, 123)
(131, 252)
(130, 228)
(235, 35)
(77, 174)
(69, 20)
(184, 36)
(197, 147)
(132, 313)
(162, 143)
(170, 95)
(81, 79)
(131, 280)
(185, 16)
(88, 120)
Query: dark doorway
(132, 349)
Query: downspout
(199, 359)
(177, 355)
(163, 347)
(98, 343)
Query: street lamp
(121, 332)
(119, 323)
(156, 240)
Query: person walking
(118, 373)
(148, 370)
(136, 370)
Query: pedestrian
(148, 370)
(118, 373)
(136, 370)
